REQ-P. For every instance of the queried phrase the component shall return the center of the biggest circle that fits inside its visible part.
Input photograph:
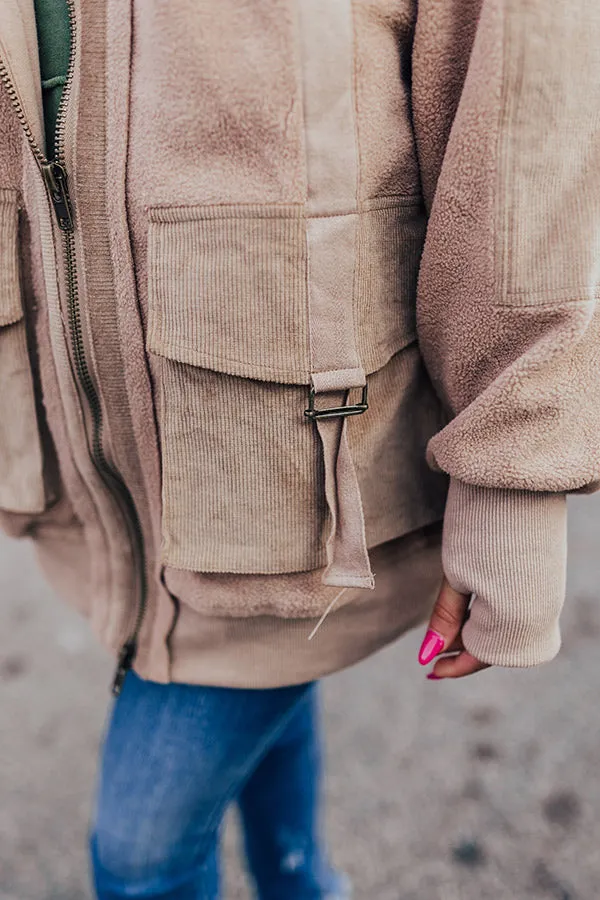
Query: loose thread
(326, 613)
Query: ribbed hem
(510, 549)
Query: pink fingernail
(431, 646)
(433, 677)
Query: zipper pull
(124, 663)
(55, 177)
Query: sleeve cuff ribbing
(509, 547)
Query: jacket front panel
(201, 271)
(275, 204)
(241, 263)
(44, 494)
(84, 539)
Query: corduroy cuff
(509, 547)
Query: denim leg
(280, 809)
(174, 757)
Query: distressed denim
(175, 756)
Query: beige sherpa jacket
(295, 263)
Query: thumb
(446, 622)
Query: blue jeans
(175, 757)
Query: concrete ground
(485, 789)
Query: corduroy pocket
(242, 475)
(21, 460)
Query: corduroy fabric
(242, 471)
(241, 474)
(11, 304)
(21, 463)
(335, 364)
(227, 289)
(348, 563)
(509, 548)
(243, 480)
(255, 255)
(332, 167)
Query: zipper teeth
(108, 473)
(61, 113)
(83, 371)
(16, 104)
(62, 109)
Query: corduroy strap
(336, 367)
(327, 62)
(348, 562)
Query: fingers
(458, 666)
(456, 645)
(444, 636)
(445, 624)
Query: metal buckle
(346, 410)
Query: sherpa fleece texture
(453, 142)
(508, 314)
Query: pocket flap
(228, 286)
(11, 305)
(227, 290)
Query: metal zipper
(56, 180)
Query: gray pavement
(485, 789)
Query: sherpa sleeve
(506, 111)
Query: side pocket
(21, 461)
(243, 476)
(228, 342)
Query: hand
(444, 635)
